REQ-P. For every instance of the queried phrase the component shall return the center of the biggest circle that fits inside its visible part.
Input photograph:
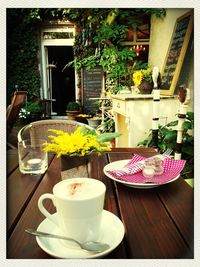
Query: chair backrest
(14, 108)
(39, 129)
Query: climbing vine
(22, 51)
(22, 37)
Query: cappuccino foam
(79, 188)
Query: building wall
(161, 32)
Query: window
(138, 37)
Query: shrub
(73, 106)
(167, 135)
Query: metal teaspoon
(89, 245)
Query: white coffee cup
(79, 203)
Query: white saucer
(117, 165)
(112, 233)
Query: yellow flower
(149, 71)
(137, 77)
(79, 143)
(108, 94)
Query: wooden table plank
(150, 231)
(127, 153)
(32, 217)
(96, 171)
(137, 150)
(178, 198)
(110, 203)
(20, 189)
(12, 160)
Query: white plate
(117, 165)
(112, 233)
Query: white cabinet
(133, 116)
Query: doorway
(63, 81)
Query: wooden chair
(14, 108)
(39, 129)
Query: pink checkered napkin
(172, 168)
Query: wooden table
(158, 221)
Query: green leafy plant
(31, 111)
(167, 135)
(116, 62)
(22, 52)
(73, 106)
(104, 30)
(107, 126)
(110, 33)
(33, 107)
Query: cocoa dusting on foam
(74, 188)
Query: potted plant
(75, 148)
(96, 116)
(83, 118)
(31, 112)
(94, 121)
(73, 109)
(81, 142)
(143, 80)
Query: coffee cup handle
(42, 208)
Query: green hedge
(22, 54)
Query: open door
(58, 83)
(61, 80)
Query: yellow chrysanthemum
(137, 77)
(143, 74)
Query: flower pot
(82, 118)
(75, 166)
(94, 122)
(71, 115)
(145, 87)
